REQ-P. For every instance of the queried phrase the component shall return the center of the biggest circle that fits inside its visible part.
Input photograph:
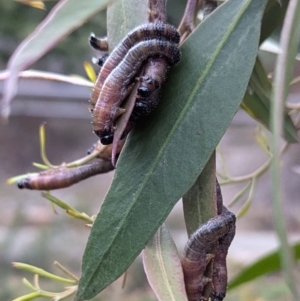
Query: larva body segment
(141, 33)
(219, 277)
(116, 85)
(154, 76)
(63, 176)
(196, 259)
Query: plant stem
(284, 67)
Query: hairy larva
(64, 177)
(216, 234)
(141, 33)
(117, 85)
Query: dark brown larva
(196, 259)
(64, 177)
(219, 277)
(117, 84)
(216, 234)
(151, 81)
(141, 33)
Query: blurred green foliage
(17, 21)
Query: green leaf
(123, 17)
(258, 103)
(199, 201)
(265, 265)
(163, 267)
(273, 17)
(65, 17)
(166, 153)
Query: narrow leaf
(36, 74)
(166, 153)
(263, 266)
(123, 16)
(198, 202)
(65, 17)
(163, 267)
(258, 103)
(273, 17)
(32, 3)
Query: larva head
(106, 136)
(108, 139)
(144, 91)
(24, 183)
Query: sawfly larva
(216, 234)
(64, 177)
(149, 89)
(119, 82)
(143, 32)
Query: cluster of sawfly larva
(117, 75)
(149, 50)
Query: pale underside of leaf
(163, 267)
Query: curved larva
(116, 85)
(141, 33)
(151, 81)
(219, 276)
(64, 177)
(218, 230)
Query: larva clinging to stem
(64, 177)
(116, 85)
(216, 234)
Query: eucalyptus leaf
(123, 16)
(165, 154)
(65, 17)
(273, 17)
(257, 102)
(263, 266)
(163, 267)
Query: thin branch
(284, 67)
